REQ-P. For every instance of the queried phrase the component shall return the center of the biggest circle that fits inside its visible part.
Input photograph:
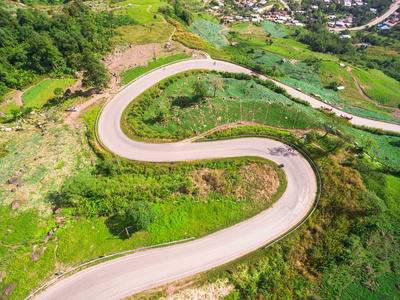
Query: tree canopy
(200, 88)
(35, 43)
(140, 215)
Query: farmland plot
(186, 115)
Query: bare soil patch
(123, 58)
(211, 291)
(254, 182)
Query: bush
(140, 214)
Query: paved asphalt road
(130, 274)
(376, 21)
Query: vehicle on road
(326, 108)
(281, 165)
(71, 109)
(346, 117)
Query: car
(326, 108)
(71, 109)
(281, 165)
(346, 117)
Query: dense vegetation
(349, 247)
(193, 102)
(178, 12)
(35, 43)
(123, 205)
(350, 241)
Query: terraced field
(237, 102)
(210, 32)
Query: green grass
(133, 73)
(379, 87)
(191, 40)
(6, 109)
(313, 80)
(372, 268)
(248, 29)
(38, 95)
(181, 215)
(295, 50)
(241, 26)
(154, 32)
(209, 31)
(58, 153)
(384, 288)
(275, 30)
(239, 101)
(385, 149)
(139, 10)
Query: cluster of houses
(256, 13)
(346, 21)
(249, 18)
(255, 5)
(393, 20)
(282, 17)
(348, 3)
(355, 3)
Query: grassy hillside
(40, 94)
(177, 113)
(379, 87)
(210, 32)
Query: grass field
(372, 268)
(6, 107)
(241, 26)
(182, 214)
(133, 73)
(275, 30)
(188, 38)
(295, 50)
(313, 80)
(351, 96)
(209, 31)
(154, 32)
(379, 87)
(239, 101)
(248, 29)
(38, 95)
(138, 10)
(49, 158)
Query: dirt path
(233, 125)
(360, 90)
(18, 98)
(220, 33)
(73, 116)
(164, 21)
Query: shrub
(140, 214)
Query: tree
(140, 215)
(162, 114)
(95, 73)
(333, 85)
(329, 128)
(368, 145)
(200, 88)
(217, 83)
(57, 91)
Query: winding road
(133, 273)
(393, 7)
